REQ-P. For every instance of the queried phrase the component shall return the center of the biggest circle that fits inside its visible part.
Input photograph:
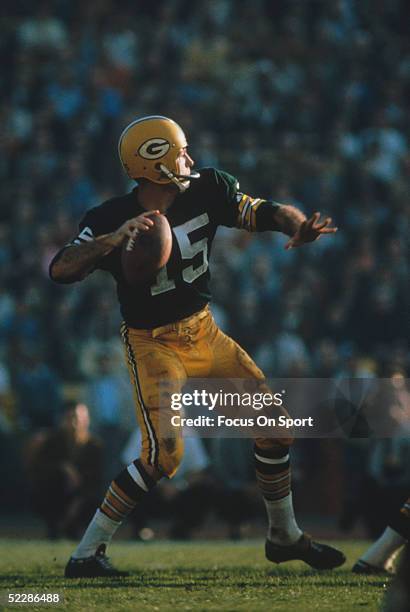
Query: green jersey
(181, 288)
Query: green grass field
(193, 576)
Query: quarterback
(168, 331)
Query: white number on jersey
(188, 251)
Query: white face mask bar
(181, 181)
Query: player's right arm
(76, 260)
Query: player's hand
(132, 227)
(311, 230)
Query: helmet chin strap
(180, 180)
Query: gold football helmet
(149, 147)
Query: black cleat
(319, 556)
(97, 566)
(362, 567)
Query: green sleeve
(226, 206)
(237, 209)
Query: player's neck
(156, 197)
(82, 436)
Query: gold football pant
(160, 360)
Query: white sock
(283, 528)
(382, 549)
(99, 531)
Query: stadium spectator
(64, 466)
(38, 391)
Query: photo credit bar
(297, 407)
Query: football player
(380, 556)
(168, 330)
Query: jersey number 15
(188, 251)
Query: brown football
(143, 256)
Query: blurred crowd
(306, 102)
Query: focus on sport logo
(154, 148)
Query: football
(144, 255)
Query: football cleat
(362, 567)
(96, 566)
(318, 556)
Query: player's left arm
(293, 222)
(257, 215)
(237, 209)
